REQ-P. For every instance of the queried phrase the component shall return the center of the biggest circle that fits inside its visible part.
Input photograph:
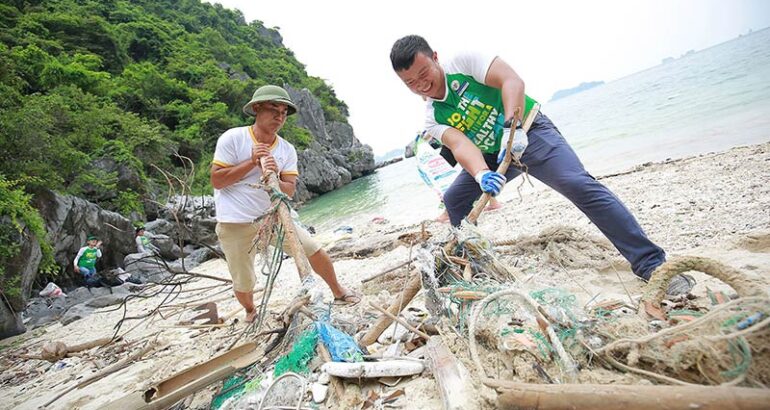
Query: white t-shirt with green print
(469, 105)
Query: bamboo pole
(290, 234)
(409, 292)
(452, 378)
(401, 321)
(375, 276)
(628, 397)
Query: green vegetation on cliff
(132, 83)
(95, 94)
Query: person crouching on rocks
(85, 261)
(143, 244)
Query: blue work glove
(490, 182)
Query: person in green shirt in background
(85, 261)
(143, 244)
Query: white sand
(715, 205)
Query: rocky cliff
(334, 158)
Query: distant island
(398, 152)
(575, 90)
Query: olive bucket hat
(269, 93)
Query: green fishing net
(301, 353)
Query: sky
(551, 44)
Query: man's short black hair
(405, 49)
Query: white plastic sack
(51, 290)
(433, 168)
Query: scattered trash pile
(460, 323)
(476, 324)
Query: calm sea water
(707, 101)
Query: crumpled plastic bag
(52, 290)
(341, 346)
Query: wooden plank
(626, 397)
(451, 376)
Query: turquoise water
(707, 101)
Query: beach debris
(413, 286)
(195, 378)
(302, 352)
(319, 392)
(716, 298)
(379, 220)
(403, 322)
(340, 345)
(710, 349)
(568, 365)
(55, 351)
(369, 370)
(337, 386)
(451, 376)
(286, 392)
(662, 276)
(382, 401)
(148, 347)
(680, 284)
(210, 315)
(633, 397)
(345, 229)
(52, 290)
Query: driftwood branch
(503, 167)
(633, 397)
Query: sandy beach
(714, 205)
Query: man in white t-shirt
(240, 156)
(474, 103)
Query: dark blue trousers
(551, 160)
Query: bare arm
(288, 184)
(501, 75)
(223, 177)
(77, 258)
(465, 152)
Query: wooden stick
(204, 276)
(337, 386)
(375, 276)
(290, 235)
(409, 292)
(401, 321)
(89, 345)
(503, 167)
(193, 326)
(451, 376)
(627, 397)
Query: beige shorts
(237, 241)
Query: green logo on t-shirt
(474, 109)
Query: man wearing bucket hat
(85, 261)
(241, 157)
